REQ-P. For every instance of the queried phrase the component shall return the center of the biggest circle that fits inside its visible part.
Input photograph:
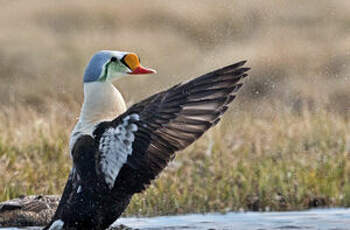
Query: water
(320, 219)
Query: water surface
(320, 219)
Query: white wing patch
(57, 225)
(79, 189)
(115, 147)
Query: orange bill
(132, 61)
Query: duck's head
(107, 65)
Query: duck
(118, 151)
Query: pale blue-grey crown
(95, 66)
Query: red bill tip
(143, 70)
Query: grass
(288, 163)
(281, 162)
(34, 157)
(285, 145)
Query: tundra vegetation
(283, 145)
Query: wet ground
(321, 219)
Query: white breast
(102, 102)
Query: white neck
(102, 101)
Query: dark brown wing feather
(173, 119)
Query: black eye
(113, 59)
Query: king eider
(117, 152)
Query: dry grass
(280, 162)
(286, 141)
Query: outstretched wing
(137, 145)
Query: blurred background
(299, 53)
